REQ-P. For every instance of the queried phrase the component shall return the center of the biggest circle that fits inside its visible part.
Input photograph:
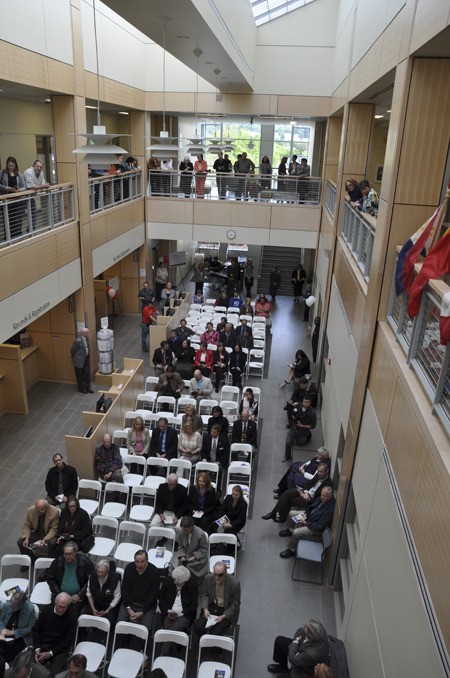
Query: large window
(267, 10)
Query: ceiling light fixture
(377, 117)
(216, 147)
(196, 147)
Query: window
(267, 10)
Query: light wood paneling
(428, 109)
(15, 263)
(30, 368)
(128, 293)
(349, 289)
(214, 213)
(170, 211)
(250, 216)
(61, 76)
(431, 17)
(98, 231)
(391, 44)
(11, 367)
(357, 142)
(367, 70)
(294, 218)
(382, 383)
(301, 105)
(62, 343)
(67, 245)
(41, 324)
(61, 319)
(45, 359)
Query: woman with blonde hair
(189, 443)
(190, 414)
(202, 499)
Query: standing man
(108, 461)
(145, 295)
(274, 282)
(243, 166)
(80, 361)
(53, 634)
(40, 526)
(35, 181)
(61, 482)
(149, 314)
(222, 167)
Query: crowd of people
(362, 196)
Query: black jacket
(103, 595)
(82, 526)
(228, 340)
(189, 597)
(55, 574)
(222, 422)
(223, 449)
(70, 481)
(211, 503)
(180, 500)
(171, 442)
(252, 433)
(158, 357)
(237, 514)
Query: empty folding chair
(178, 420)
(206, 405)
(211, 669)
(13, 560)
(212, 347)
(259, 343)
(313, 552)
(92, 505)
(119, 438)
(124, 662)
(146, 401)
(172, 666)
(183, 469)
(151, 383)
(230, 409)
(195, 307)
(221, 309)
(232, 310)
(210, 302)
(230, 393)
(115, 509)
(241, 452)
(248, 318)
(151, 419)
(229, 560)
(239, 473)
(105, 536)
(142, 503)
(137, 466)
(41, 594)
(210, 467)
(256, 362)
(183, 402)
(166, 404)
(160, 465)
(95, 653)
(259, 320)
(130, 538)
(160, 556)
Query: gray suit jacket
(198, 548)
(37, 671)
(206, 384)
(232, 596)
(78, 352)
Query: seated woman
(249, 403)
(353, 191)
(234, 507)
(74, 525)
(263, 309)
(247, 308)
(301, 472)
(204, 360)
(189, 443)
(236, 365)
(138, 440)
(223, 300)
(170, 383)
(202, 498)
(190, 415)
(185, 359)
(198, 297)
(301, 367)
(217, 417)
(17, 619)
(178, 599)
(210, 335)
(103, 592)
(221, 359)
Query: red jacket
(148, 315)
(209, 359)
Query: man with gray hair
(69, 574)
(170, 503)
(308, 647)
(316, 519)
(24, 666)
(220, 600)
(54, 633)
(80, 361)
(40, 526)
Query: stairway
(286, 258)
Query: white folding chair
(13, 560)
(230, 393)
(183, 469)
(91, 506)
(172, 666)
(169, 403)
(239, 473)
(41, 594)
(134, 479)
(195, 307)
(241, 452)
(177, 421)
(210, 467)
(258, 331)
(230, 561)
(256, 361)
(210, 669)
(155, 481)
(259, 343)
(105, 536)
(115, 509)
(119, 438)
(151, 383)
(206, 405)
(130, 538)
(212, 347)
(95, 653)
(248, 318)
(160, 556)
(124, 662)
(230, 409)
(232, 310)
(259, 320)
(130, 416)
(183, 402)
(142, 510)
(221, 309)
(146, 401)
(151, 419)
(210, 302)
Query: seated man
(308, 648)
(192, 548)
(69, 574)
(304, 388)
(183, 331)
(216, 448)
(162, 357)
(61, 482)
(319, 515)
(301, 472)
(77, 668)
(245, 431)
(200, 387)
(220, 597)
(300, 497)
(108, 461)
(303, 422)
(25, 666)
(140, 589)
(164, 442)
(170, 503)
(170, 384)
(39, 528)
(54, 633)
(227, 337)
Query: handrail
(358, 231)
(27, 213)
(330, 197)
(229, 186)
(110, 190)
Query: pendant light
(215, 147)
(196, 147)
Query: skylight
(267, 10)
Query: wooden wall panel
(431, 17)
(360, 122)
(64, 370)
(349, 289)
(67, 245)
(366, 70)
(382, 383)
(170, 211)
(250, 216)
(214, 213)
(15, 263)
(128, 294)
(45, 358)
(294, 218)
(98, 231)
(61, 319)
(13, 380)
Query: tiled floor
(272, 603)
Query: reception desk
(19, 370)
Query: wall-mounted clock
(231, 234)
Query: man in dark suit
(300, 498)
(54, 633)
(245, 431)
(219, 586)
(80, 361)
(228, 336)
(164, 442)
(162, 357)
(318, 517)
(170, 503)
(216, 448)
(61, 482)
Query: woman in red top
(210, 336)
(204, 360)
(264, 309)
(200, 169)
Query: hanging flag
(423, 239)
(437, 263)
(444, 320)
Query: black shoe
(276, 668)
(288, 425)
(287, 554)
(269, 516)
(285, 533)
(161, 541)
(276, 490)
(89, 390)
(24, 568)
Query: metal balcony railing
(358, 231)
(248, 187)
(330, 197)
(111, 190)
(28, 213)
(419, 338)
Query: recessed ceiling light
(388, 111)
(123, 113)
(48, 101)
(377, 117)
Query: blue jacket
(27, 617)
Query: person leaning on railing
(13, 182)
(370, 199)
(353, 191)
